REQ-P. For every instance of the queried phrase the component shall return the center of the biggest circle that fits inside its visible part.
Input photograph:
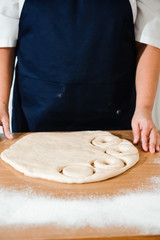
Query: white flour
(134, 209)
(156, 160)
(156, 180)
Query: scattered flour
(156, 180)
(133, 209)
(156, 160)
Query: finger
(144, 138)
(136, 133)
(158, 143)
(6, 129)
(153, 140)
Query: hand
(144, 129)
(4, 121)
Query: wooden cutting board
(130, 180)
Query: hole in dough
(104, 141)
(92, 164)
(124, 162)
(105, 163)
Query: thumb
(136, 132)
(6, 128)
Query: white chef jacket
(146, 17)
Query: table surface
(130, 180)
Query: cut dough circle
(76, 171)
(121, 149)
(71, 157)
(106, 140)
(110, 163)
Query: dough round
(110, 163)
(77, 171)
(71, 157)
(106, 140)
(121, 149)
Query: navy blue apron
(76, 66)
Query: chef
(81, 65)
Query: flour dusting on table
(155, 180)
(140, 209)
(156, 160)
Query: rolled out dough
(71, 157)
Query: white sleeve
(9, 20)
(147, 24)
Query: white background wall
(155, 113)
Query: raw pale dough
(71, 157)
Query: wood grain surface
(130, 180)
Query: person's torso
(132, 2)
(76, 63)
